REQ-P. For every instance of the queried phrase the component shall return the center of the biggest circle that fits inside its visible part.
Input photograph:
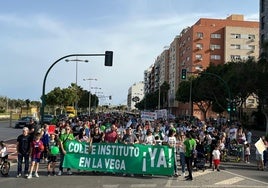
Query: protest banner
(120, 158)
(161, 113)
(260, 146)
(148, 116)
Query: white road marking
(143, 185)
(251, 179)
(110, 186)
(230, 181)
(201, 173)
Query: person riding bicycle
(3, 152)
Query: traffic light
(229, 107)
(108, 58)
(110, 97)
(233, 106)
(183, 74)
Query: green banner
(134, 159)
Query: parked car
(48, 118)
(25, 121)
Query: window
(215, 46)
(215, 57)
(235, 46)
(250, 36)
(235, 57)
(199, 46)
(215, 36)
(198, 57)
(251, 47)
(251, 101)
(235, 36)
(199, 35)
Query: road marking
(251, 179)
(110, 186)
(143, 185)
(201, 173)
(195, 174)
(230, 181)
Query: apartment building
(216, 41)
(208, 41)
(135, 94)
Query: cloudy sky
(34, 34)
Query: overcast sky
(34, 34)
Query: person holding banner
(63, 139)
(129, 137)
(96, 136)
(111, 136)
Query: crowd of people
(195, 143)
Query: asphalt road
(235, 176)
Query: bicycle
(4, 166)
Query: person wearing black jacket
(23, 150)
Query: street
(232, 174)
(238, 177)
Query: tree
(164, 88)
(27, 101)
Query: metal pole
(159, 97)
(76, 88)
(43, 97)
(190, 99)
(89, 102)
(89, 93)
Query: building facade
(208, 41)
(135, 94)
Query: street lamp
(184, 73)
(95, 102)
(76, 74)
(89, 93)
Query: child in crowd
(216, 154)
(36, 148)
(45, 140)
(52, 158)
(247, 152)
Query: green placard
(120, 158)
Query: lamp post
(76, 74)
(95, 102)
(89, 93)
(159, 96)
